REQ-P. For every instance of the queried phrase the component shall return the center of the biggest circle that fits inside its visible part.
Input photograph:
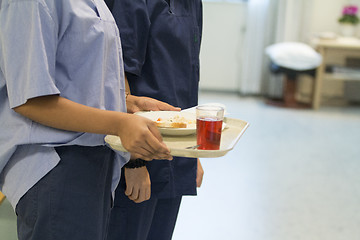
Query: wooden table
(334, 52)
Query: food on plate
(174, 122)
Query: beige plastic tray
(235, 128)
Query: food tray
(235, 128)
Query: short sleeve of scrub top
(36, 55)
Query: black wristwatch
(136, 163)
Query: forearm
(58, 112)
(138, 135)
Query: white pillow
(294, 55)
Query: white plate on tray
(189, 117)
(178, 144)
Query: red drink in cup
(208, 132)
(209, 126)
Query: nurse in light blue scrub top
(61, 91)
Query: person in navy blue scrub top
(62, 89)
(161, 45)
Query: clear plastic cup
(209, 121)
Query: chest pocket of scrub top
(109, 24)
(102, 10)
(183, 12)
(179, 8)
(183, 15)
(92, 26)
(89, 56)
(105, 15)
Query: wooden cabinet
(335, 52)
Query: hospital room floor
(294, 175)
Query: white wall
(223, 36)
(323, 15)
(220, 57)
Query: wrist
(118, 123)
(135, 163)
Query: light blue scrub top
(66, 47)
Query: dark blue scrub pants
(73, 201)
(137, 221)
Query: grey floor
(294, 175)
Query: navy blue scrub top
(161, 45)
